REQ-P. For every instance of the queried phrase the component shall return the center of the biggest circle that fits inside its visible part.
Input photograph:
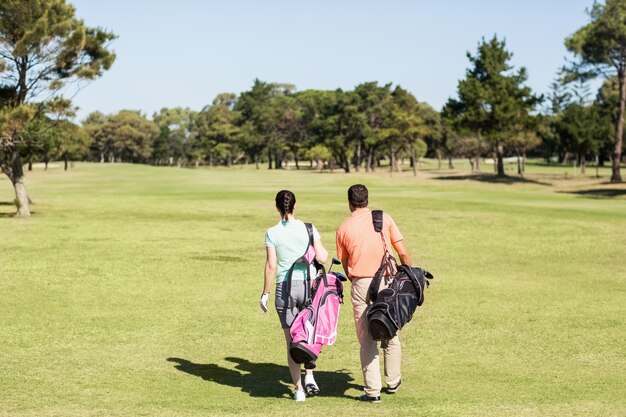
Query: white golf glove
(263, 301)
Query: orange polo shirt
(359, 244)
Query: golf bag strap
(387, 262)
(377, 219)
(301, 261)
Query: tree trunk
(269, 157)
(450, 164)
(392, 159)
(438, 160)
(597, 166)
(500, 157)
(369, 163)
(616, 176)
(583, 163)
(65, 161)
(30, 163)
(519, 166)
(357, 158)
(413, 161)
(524, 162)
(17, 178)
(45, 161)
(477, 162)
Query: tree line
(44, 48)
(494, 115)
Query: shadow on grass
(264, 379)
(599, 192)
(492, 179)
(7, 204)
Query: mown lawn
(133, 290)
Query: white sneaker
(299, 396)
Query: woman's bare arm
(270, 268)
(321, 254)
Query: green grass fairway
(133, 291)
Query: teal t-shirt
(290, 240)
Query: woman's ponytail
(285, 202)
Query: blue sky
(185, 52)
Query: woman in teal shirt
(284, 244)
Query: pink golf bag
(316, 324)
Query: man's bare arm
(403, 253)
(344, 263)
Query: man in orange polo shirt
(360, 249)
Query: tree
(40, 139)
(133, 135)
(74, 142)
(340, 126)
(375, 105)
(320, 154)
(260, 107)
(173, 143)
(429, 130)
(581, 131)
(522, 142)
(607, 101)
(43, 47)
(449, 136)
(12, 123)
(557, 99)
(467, 144)
(101, 147)
(601, 48)
(124, 137)
(216, 130)
(408, 123)
(492, 100)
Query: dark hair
(285, 200)
(358, 196)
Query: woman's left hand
(263, 302)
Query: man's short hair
(358, 196)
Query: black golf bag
(394, 306)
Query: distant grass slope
(133, 290)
